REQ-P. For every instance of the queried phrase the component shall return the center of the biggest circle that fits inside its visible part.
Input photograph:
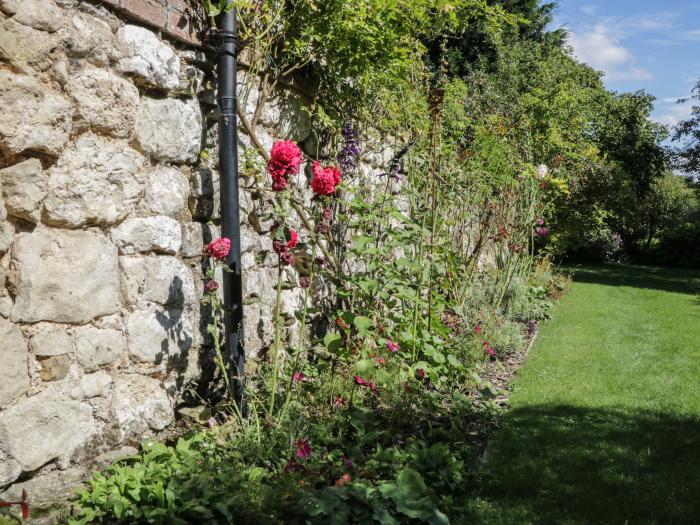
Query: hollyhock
(298, 376)
(288, 259)
(303, 448)
(218, 248)
(477, 329)
(290, 241)
(211, 286)
(285, 159)
(542, 231)
(392, 346)
(359, 381)
(304, 282)
(325, 179)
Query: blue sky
(639, 44)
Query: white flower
(542, 171)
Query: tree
(687, 132)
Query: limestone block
(51, 342)
(34, 118)
(14, 372)
(54, 368)
(167, 192)
(169, 129)
(285, 116)
(148, 234)
(45, 490)
(64, 276)
(104, 101)
(139, 403)
(39, 14)
(155, 336)
(192, 239)
(96, 347)
(9, 468)
(91, 38)
(24, 187)
(44, 428)
(95, 181)
(7, 236)
(26, 48)
(157, 279)
(92, 385)
(148, 58)
(205, 203)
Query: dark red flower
(211, 286)
(298, 376)
(218, 248)
(477, 329)
(340, 402)
(320, 261)
(288, 259)
(420, 373)
(285, 159)
(304, 282)
(303, 448)
(359, 381)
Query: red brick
(181, 26)
(180, 5)
(153, 12)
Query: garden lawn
(604, 424)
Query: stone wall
(109, 193)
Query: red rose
(325, 179)
(218, 248)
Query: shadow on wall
(173, 323)
(563, 464)
(670, 280)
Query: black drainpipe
(230, 214)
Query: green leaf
(333, 342)
(363, 324)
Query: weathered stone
(54, 368)
(24, 187)
(90, 38)
(169, 129)
(51, 342)
(24, 47)
(9, 468)
(34, 118)
(139, 403)
(206, 201)
(7, 236)
(44, 428)
(46, 490)
(14, 372)
(192, 239)
(286, 116)
(105, 102)
(39, 14)
(6, 306)
(92, 385)
(147, 58)
(163, 280)
(167, 191)
(148, 234)
(105, 460)
(96, 347)
(94, 182)
(64, 276)
(155, 336)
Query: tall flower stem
(278, 337)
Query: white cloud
(601, 49)
(671, 112)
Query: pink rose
(285, 159)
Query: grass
(604, 425)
